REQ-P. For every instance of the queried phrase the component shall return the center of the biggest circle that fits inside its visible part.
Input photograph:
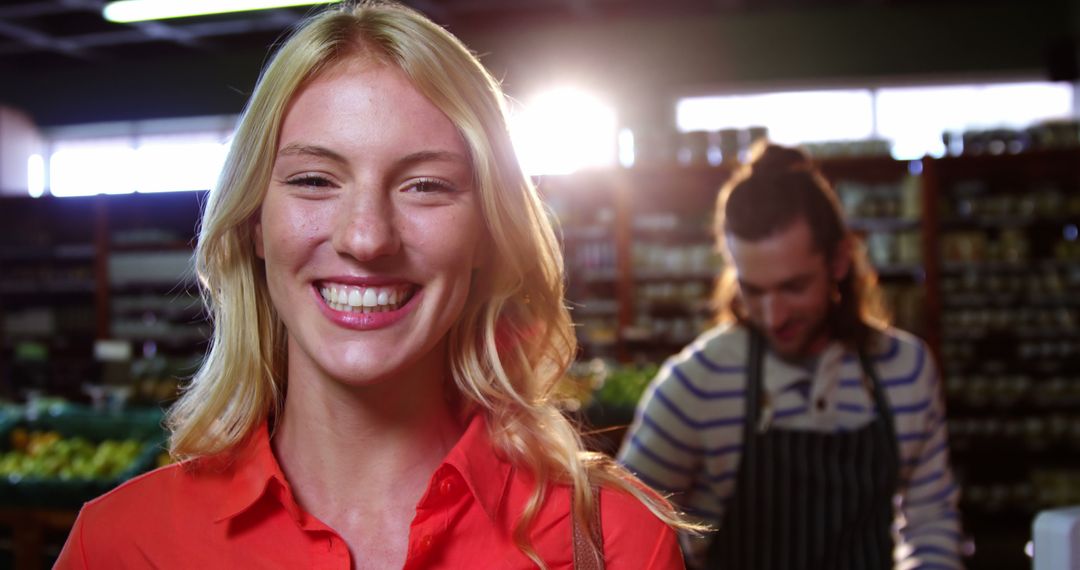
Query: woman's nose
(365, 227)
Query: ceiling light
(142, 10)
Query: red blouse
(243, 515)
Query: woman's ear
(257, 235)
(841, 258)
(483, 253)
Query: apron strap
(881, 400)
(755, 358)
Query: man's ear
(842, 258)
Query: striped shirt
(687, 435)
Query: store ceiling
(41, 35)
(59, 33)
(54, 51)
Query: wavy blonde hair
(514, 339)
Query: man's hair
(778, 187)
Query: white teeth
(363, 299)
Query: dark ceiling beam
(157, 30)
(137, 36)
(35, 9)
(42, 41)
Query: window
(915, 118)
(911, 119)
(147, 156)
(791, 117)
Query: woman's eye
(309, 181)
(429, 185)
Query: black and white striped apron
(810, 500)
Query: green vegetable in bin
(624, 385)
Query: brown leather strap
(589, 555)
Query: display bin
(143, 426)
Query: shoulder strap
(586, 555)
(881, 400)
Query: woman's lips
(376, 306)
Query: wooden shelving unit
(1004, 273)
(76, 270)
(651, 228)
(1002, 317)
(983, 250)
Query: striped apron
(810, 500)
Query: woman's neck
(359, 458)
(346, 450)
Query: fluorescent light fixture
(125, 11)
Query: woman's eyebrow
(300, 149)
(431, 156)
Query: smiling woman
(389, 323)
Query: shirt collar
(254, 468)
(779, 374)
(485, 472)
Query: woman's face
(370, 228)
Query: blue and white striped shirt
(687, 435)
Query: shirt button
(425, 544)
(446, 487)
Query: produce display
(625, 384)
(596, 383)
(47, 454)
(61, 454)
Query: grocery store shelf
(883, 224)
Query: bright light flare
(35, 175)
(562, 131)
(125, 11)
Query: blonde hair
(513, 340)
(777, 187)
